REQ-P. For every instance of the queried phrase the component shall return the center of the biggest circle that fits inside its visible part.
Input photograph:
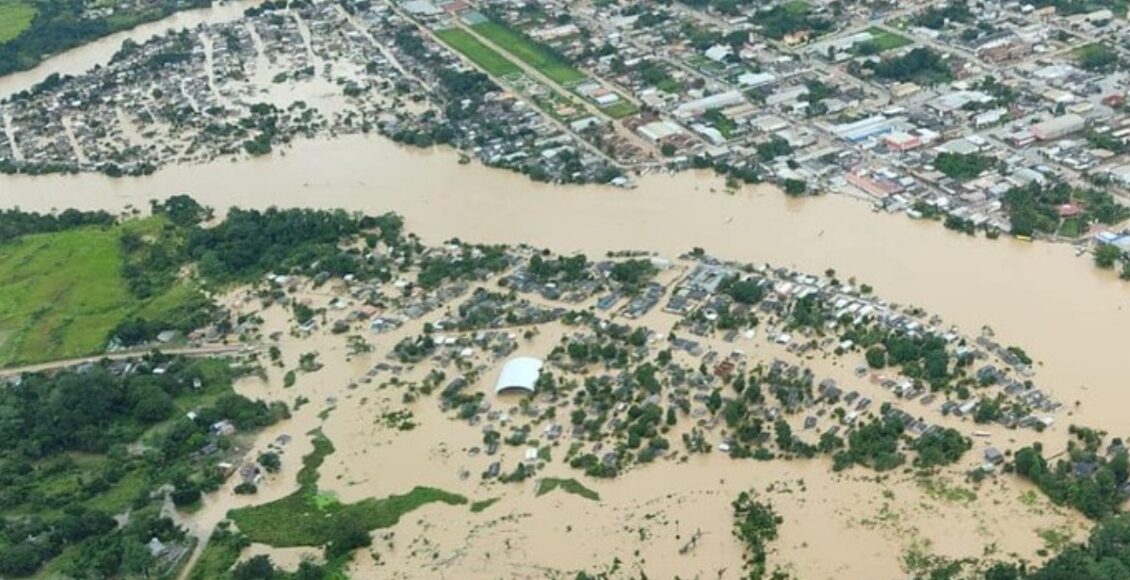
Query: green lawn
(532, 53)
(1071, 228)
(884, 40)
(15, 17)
(301, 519)
(63, 293)
(796, 7)
(479, 53)
(620, 109)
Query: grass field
(796, 6)
(302, 519)
(884, 40)
(1071, 228)
(529, 52)
(477, 52)
(15, 17)
(64, 292)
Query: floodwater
(668, 516)
(1068, 315)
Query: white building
(519, 373)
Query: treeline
(15, 223)
(250, 243)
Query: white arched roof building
(519, 373)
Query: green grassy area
(568, 486)
(484, 56)
(1095, 56)
(217, 558)
(300, 519)
(15, 17)
(532, 53)
(1071, 228)
(884, 40)
(796, 6)
(620, 109)
(64, 292)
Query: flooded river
(1070, 316)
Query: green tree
(1106, 256)
(270, 461)
(876, 357)
(256, 568)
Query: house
(156, 547)
(994, 456)
(250, 473)
(1084, 469)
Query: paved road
(204, 350)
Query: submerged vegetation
(305, 519)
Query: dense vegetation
(60, 25)
(936, 17)
(1085, 478)
(920, 65)
(1034, 208)
(963, 166)
(97, 441)
(1096, 57)
(789, 18)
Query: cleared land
(536, 55)
(64, 292)
(15, 17)
(477, 52)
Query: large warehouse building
(519, 374)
